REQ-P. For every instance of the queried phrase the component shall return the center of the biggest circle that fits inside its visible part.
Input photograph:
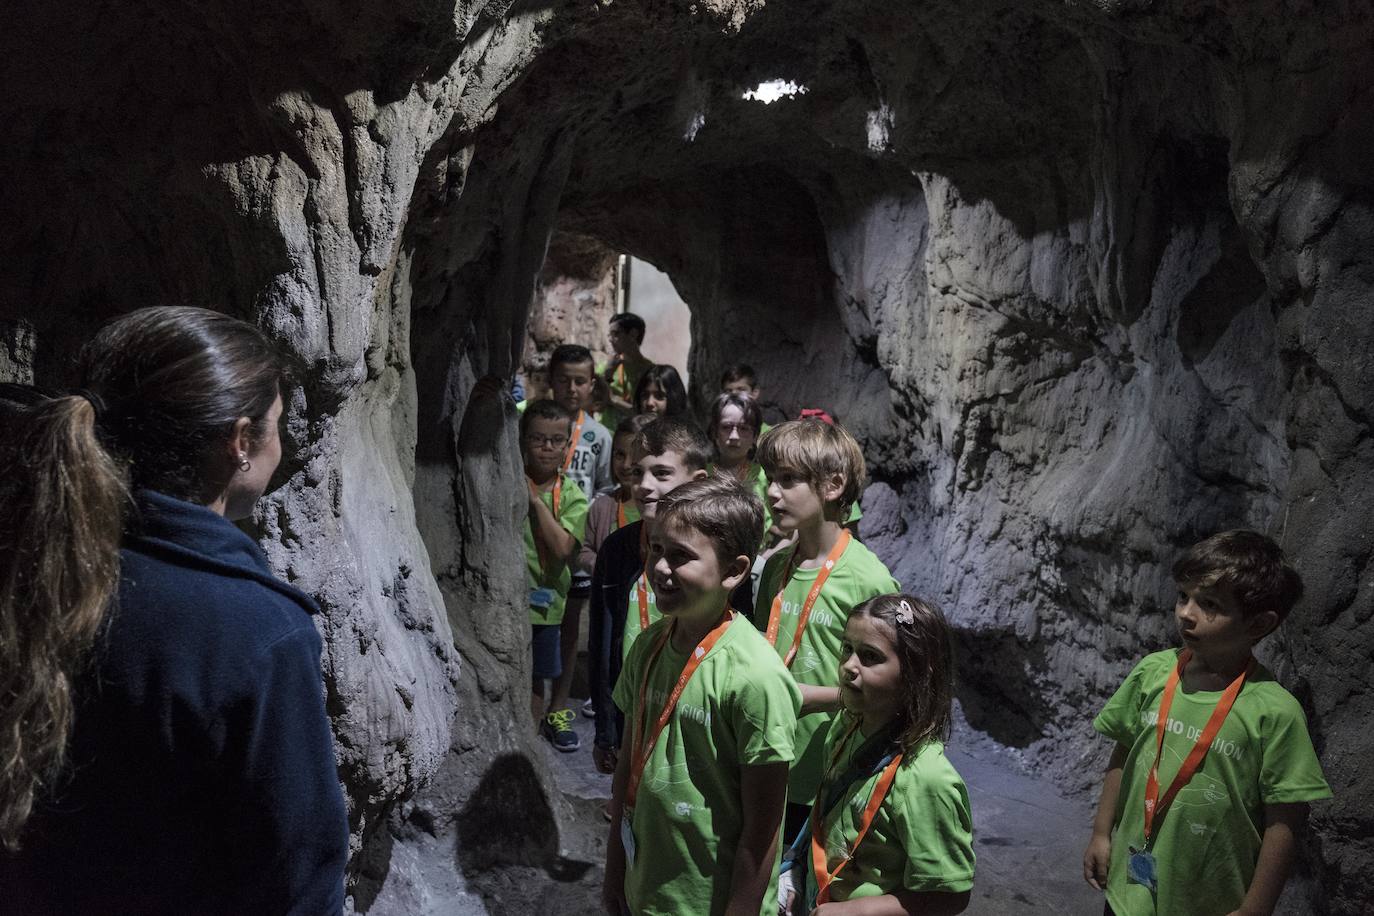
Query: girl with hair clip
(890, 831)
(660, 392)
(163, 734)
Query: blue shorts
(548, 659)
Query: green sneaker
(557, 727)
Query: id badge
(627, 839)
(1140, 869)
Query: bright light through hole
(771, 90)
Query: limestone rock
(1088, 279)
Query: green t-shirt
(738, 710)
(632, 627)
(858, 575)
(921, 838)
(623, 386)
(549, 594)
(1206, 848)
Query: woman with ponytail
(164, 746)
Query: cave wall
(574, 298)
(1088, 279)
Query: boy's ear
(699, 474)
(833, 488)
(1262, 624)
(736, 571)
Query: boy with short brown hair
(625, 333)
(557, 516)
(699, 792)
(588, 461)
(667, 453)
(1213, 768)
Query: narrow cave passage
(1087, 281)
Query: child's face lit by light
(870, 671)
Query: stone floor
(1029, 838)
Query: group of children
(776, 733)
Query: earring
(244, 464)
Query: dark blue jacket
(201, 774)
(618, 564)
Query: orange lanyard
(775, 615)
(1154, 806)
(620, 377)
(642, 588)
(643, 749)
(558, 496)
(557, 492)
(642, 592)
(818, 858)
(620, 519)
(576, 437)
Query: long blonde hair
(62, 499)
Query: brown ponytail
(171, 381)
(62, 500)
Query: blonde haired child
(816, 473)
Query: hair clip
(905, 612)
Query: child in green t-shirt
(815, 471)
(588, 462)
(891, 825)
(557, 516)
(625, 332)
(1217, 836)
(668, 452)
(710, 715)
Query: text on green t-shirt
(1206, 847)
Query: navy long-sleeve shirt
(201, 774)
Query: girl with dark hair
(164, 746)
(660, 392)
(890, 830)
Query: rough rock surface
(573, 299)
(1089, 279)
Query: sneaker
(589, 710)
(557, 727)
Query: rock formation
(573, 299)
(1088, 278)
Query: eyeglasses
(537, 440)
(728, 428)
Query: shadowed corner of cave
(508, 821)
(992, 687)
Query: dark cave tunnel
(1085, 287)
